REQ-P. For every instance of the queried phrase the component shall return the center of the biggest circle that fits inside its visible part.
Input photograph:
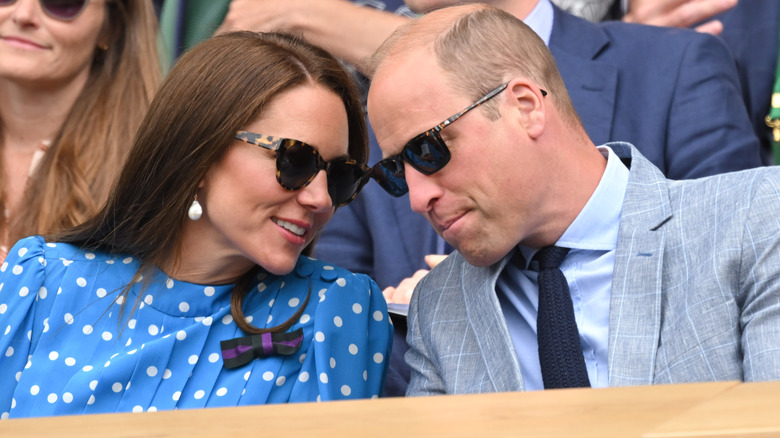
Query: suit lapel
(578, 47)
(635, 306)
(494, 342)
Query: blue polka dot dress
(65, 347)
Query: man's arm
(709, 130)
(679, 13)
(425, 379)
(348, 31)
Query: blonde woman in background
(76, 77)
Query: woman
(76, 77)
(188, 288)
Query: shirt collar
(596, 227)
(540, 20)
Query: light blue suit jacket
(695, 292)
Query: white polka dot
(261, 287)
(305, 318)
(323, 378)
(91, 400)
(131, 352)
(319, 336)
(152, 409)
(127, 260)
(29, 362)
(207, 322)
(43, 293)
(105, 365)
(176, 395)
(357, 308)
(293, 302)
(304, 376)
(110, 262)
(24, 291)
(107, 336)
(46, 325)
(213, 357)
(167, 374)
(268, 376)
(4, 416)
(222, 391)
(271, 303)
(365, 375)
(353, 349)
(148, 299)
(67, 397)
(69, 361)
(169, 283)
(193, 359)
(333, 362)
(247, 374)
(302, 358)
(270, 318)
(280, 380)
(101, 292)
(137, 409)
(208, 291)
(17, 270)
(337, 321)
(121, 299)
(34, 389)
(151, 371)
(346, 390)
(81, 281)
(18, 376)
(184, 306)
(321, 293)
(7, 330)
(199, 394)
(68, 318)
(87, 329)
(378, 315)
(327, 268)
(153, 330)
(131, 324)
(3, 308)
(116, 387)
(379, 357)
(227, 319)
(93, 384)
(89, 256)
(341, 282)
(250, 318)
(22, 252)
(181, 335)
(87, 368)
(53, 355)
(9, 352)
(52, 398)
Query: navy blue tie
(560, 354)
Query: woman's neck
(31, 113)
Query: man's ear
(529, 104)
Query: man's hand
(262, 15)
(679, 13)
(402, 293)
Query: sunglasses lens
(345, 179)
(297, 164)
(63, 9)
(426, 154)
(389, 173)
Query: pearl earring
(195, 211)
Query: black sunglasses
(297, 163)
(63, 10)
(427, 152)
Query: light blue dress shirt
(588, 269)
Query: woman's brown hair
(217, 88)
(73, 179)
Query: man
(673, 93)
(667, 282)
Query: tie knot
(550, 257)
